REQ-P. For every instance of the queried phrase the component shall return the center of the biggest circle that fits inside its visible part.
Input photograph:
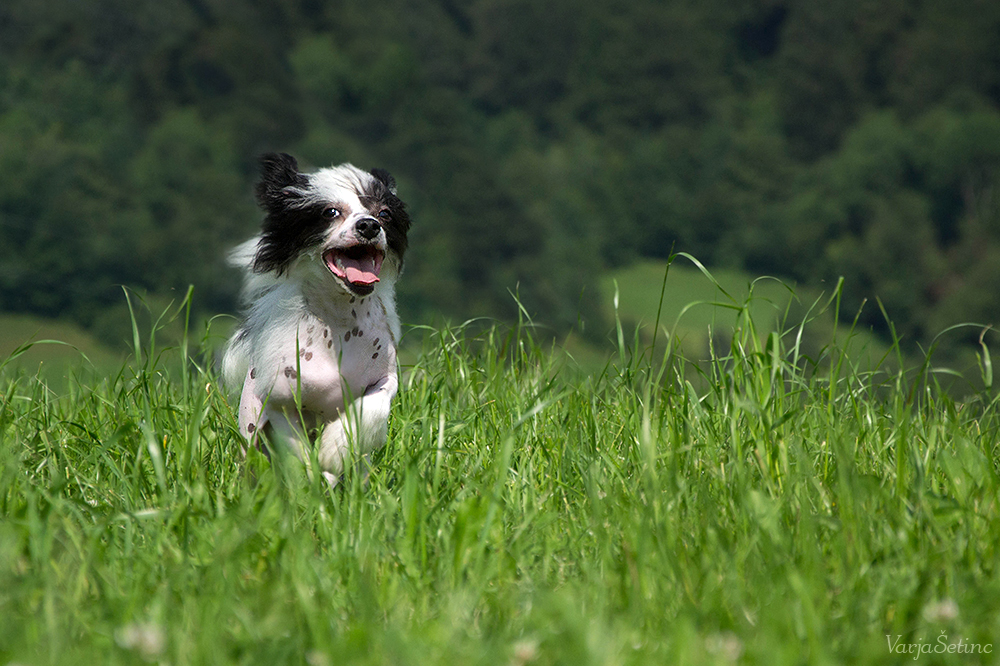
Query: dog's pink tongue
(360, 271)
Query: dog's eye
(331, 213)
(384, 214)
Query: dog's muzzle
(358, 266)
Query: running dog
(316, 352)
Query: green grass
(54, 347)
(689, 299)
(782, 509)
(698, 310)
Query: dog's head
(349, 220)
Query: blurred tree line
(539, 142)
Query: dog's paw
(331, 479)
(335, 447)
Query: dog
(316, 352)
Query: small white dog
(316, 354)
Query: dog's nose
(367, 227)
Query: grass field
(56, 346)
(763, 507)
(695, 308)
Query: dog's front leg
(360, 429)
(286, 430)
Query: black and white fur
(316, 353)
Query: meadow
(768, 502)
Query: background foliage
(540, 143)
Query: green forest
(538, 143)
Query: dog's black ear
(289, 226)
(278, 171)
(384, 177)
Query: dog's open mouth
(357, 266)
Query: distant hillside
(698, 311)
(55, 347)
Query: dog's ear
(287, 227)
(278, 172)
(384, 177)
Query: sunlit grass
(52, 347)
(693, 308)
(764, 507)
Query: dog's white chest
(365, 351)
(327, 361)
